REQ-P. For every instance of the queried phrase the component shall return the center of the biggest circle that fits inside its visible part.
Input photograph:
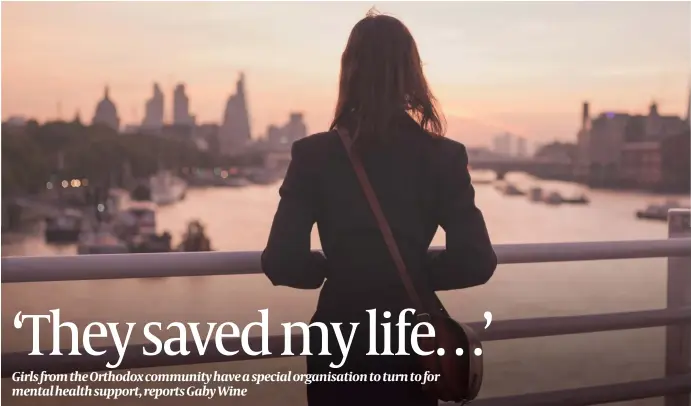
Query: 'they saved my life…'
(178, 343)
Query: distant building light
(224, 174)
(101, 208)
(49, 185)
(65, 183)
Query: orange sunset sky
(525, 67)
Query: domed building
(106, 113)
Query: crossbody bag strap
(382, 222)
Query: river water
(239, 219)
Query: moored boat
(64, 227)
(237, 181)
(659, 211)
(553, 198)
(511, 190)
(580, 199)
(535, 194)
(101, 240)
(138, 218)
(116, 201)
(150, 243)
(480, 181)
(167, 188)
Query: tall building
(502, 144)
(154, 109)
(209, 134)
(603, 141)
(283, 137)
(582, 144)
(106, 112)
(659, 126)
(521, 147)
(181, 107)
(234, 134)
(661, 165)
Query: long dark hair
(381, 80)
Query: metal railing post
(678, 340)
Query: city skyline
(527, 75)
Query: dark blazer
(422, 182)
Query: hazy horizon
(521, 67)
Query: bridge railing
(675, 386)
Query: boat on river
(659, 211)
(143, 243)
(510, 189)
(117, 199)
(137, 218)
(554, 198)
(64, 227)
(136, 227)
(535, 194)
(101, 240)
(579, 199)
(167, 188)
(236, 181)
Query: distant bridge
(549, 168)
(479, 160)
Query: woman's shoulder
(315, 140)
(450, 146)
(443, 149)
(313, 148)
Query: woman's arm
(287, 259)
(468, 259)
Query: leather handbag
(456, 349)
